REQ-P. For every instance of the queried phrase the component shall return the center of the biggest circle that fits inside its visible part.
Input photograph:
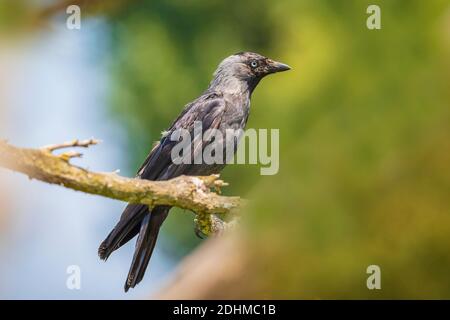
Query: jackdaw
(224, 105)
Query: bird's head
(245, 69)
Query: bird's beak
(275, 66)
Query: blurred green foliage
(364, 128)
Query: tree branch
(187, 192)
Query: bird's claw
(199, 233)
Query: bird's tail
(145, 243)
(127, 227)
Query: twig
(70, 144)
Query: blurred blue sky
(58, 93)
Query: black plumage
(224, 105)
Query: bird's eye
(254, 64)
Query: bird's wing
(207, 110)
(210, 115)
(158, 166)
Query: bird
(225, 104)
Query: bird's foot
(198, 229)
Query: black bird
(224, 105)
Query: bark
(187, 192)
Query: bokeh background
(364, 119)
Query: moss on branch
(188, 192)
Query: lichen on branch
(194, 193)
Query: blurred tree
(364, 136)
